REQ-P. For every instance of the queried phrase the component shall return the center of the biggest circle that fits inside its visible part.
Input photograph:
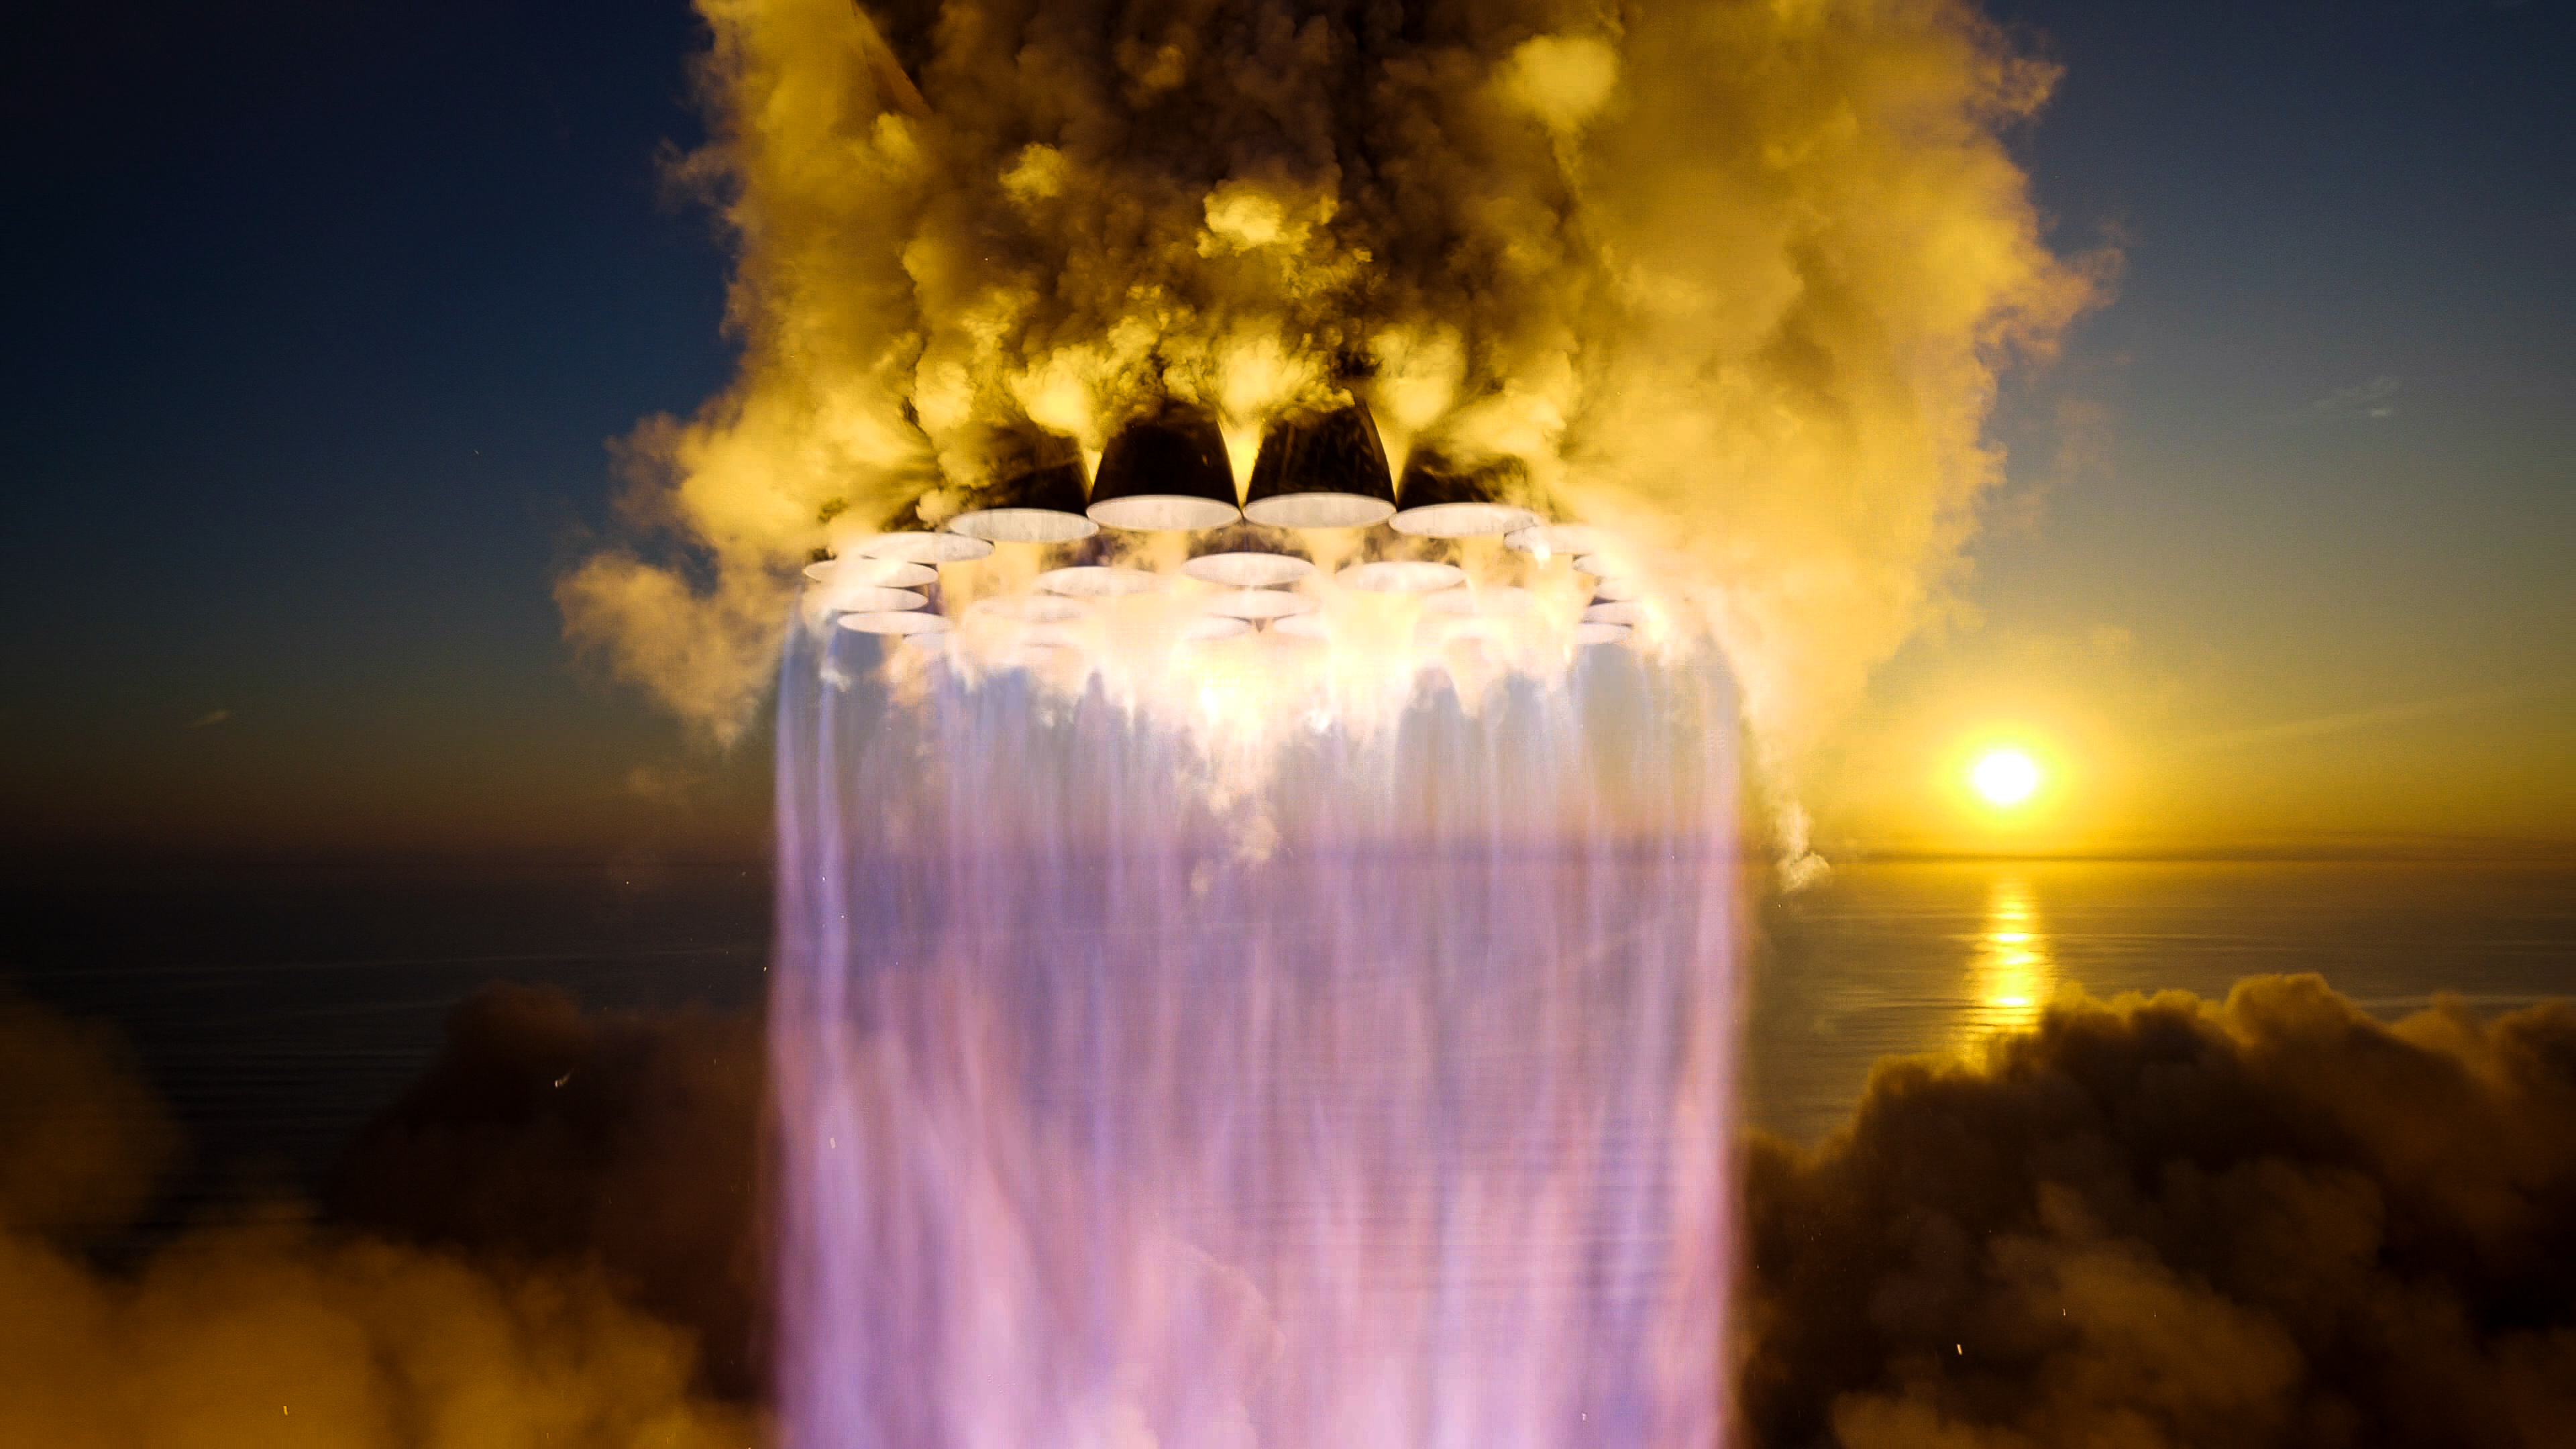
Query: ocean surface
(277, 1009)
(1905, 959)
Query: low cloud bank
(286, 1332)
(2152, 1222)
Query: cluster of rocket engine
(1323, 518)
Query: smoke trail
(1735, 278)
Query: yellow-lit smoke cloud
(1734, 278)
(279, 1334)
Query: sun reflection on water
(2011, 976)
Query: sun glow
(2011, 975)
(2005, 778)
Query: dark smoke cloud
(282, 1332)
(82, 1140)
(542, 1133)
(2169, 1222)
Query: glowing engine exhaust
(1084, 581)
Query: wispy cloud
(2376, 398)
(210, 717)
(664, 784)
(2348, 721)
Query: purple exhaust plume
(1384, 1109)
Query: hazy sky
(2287, 560)
(323, 323)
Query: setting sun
(2005, 778)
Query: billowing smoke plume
(2166, 1222)
(285, 1332)
(1732, 277)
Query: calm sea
(277, 1009)
(1900, 959)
